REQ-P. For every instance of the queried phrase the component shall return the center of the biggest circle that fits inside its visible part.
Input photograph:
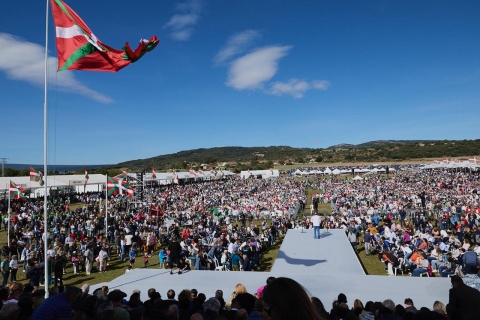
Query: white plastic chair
(424, 274)
(218, 267)
(399, 267)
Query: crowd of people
(227, 223)
(422, 222)
(278, 299)
(417, 221)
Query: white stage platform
(325, 267)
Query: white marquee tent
(264, 173)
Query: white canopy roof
(54, 181)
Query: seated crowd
(279, 299)
(423, 222)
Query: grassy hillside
(373, 151)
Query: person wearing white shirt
(407, 252)
(315, 221)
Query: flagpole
(45, 169)
(106, 207)
(8, 216)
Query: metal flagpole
(45, 169)
(106, 207)
(8, 215)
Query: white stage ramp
(325, 267)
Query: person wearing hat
(315, 220)
(116, 298)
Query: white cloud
(295, 87)
(235, 45)
(182, 23)
(253, 69)
(321, 84)
(25, 61)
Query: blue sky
(242, 73)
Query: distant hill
(244, 158)
(378, 150)
(212, 155)
(376, 143)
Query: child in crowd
(145, 260)
(132, 255)
(162, 257)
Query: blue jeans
(122, 253)
(436, 264)
(5, 278)
(470, 268)
(416, 272)
(442, 270)
(316, 231)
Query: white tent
(336, 171)
(357, 177)
(327, 171)
(264, 173)
(361, 170)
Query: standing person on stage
(316, 220)
(174, 248)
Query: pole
(106, 207)
(45, 166)
(8, 217)
(3, 166)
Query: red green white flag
(36, 176)
(154, 174)
(118, 186)
(79, 49)
(16, 192)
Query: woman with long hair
(286, 299)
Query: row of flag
(448, 161)
(115, 185)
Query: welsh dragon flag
(79, 49)
(16, 192)
(36, 176)
(118, 186)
